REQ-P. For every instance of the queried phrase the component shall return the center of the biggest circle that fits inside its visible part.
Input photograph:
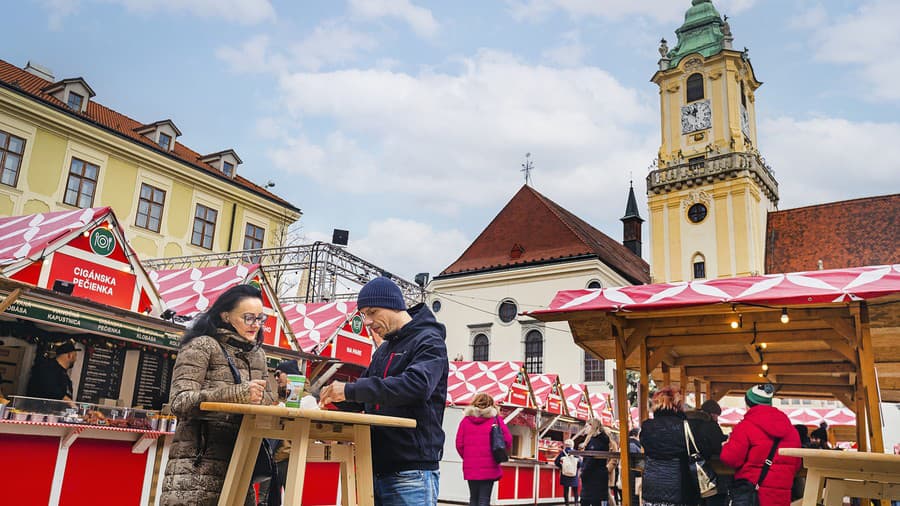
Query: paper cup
(296, 384)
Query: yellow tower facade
(711, 190)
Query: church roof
(701, 32)
(532, 229)
(631, 208)
(842, 234)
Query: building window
(534, 352)
(253, 237)
(697, 213)
(75, 101)
(594, 284)
(82, 183)
(743, 95)
(204, 226)
(695, 87)
(594, 369)
(480, 347)
(507, 311)
(436, 306)
(150, 207)
(699, 263)
(228, 168)
(11, 149)
(164, 141)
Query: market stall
(72, 277)
(331, 329)
(556, 423)
(526, 479)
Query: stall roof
(33, 236)
(798, 416)
(314, 323)
(575, 393)
(542, 386)
(469, 378)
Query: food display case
(31, 409)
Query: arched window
(695, 87)
(534, 352)
(480, 347)
(507, 311)
(594, 284)
(699, 263)
(743, 95)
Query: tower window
(743, 95)
(695, 87)
(699, 263)
(480, 347)
(534, 352)
(697, 213)
(507, 311)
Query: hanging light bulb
(734, 324)
(765, 367)
(763, 346)
(784, 316)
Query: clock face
(696, 116)
(745, 121)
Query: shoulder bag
(705, 476)
(498, 442)
(746, 493)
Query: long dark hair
(209, 321)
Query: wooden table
(300, 426)
(835, 474)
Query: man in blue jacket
(407, 378)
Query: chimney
(39, 70)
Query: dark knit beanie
(288, 367)
(711, 407)
(381, 292)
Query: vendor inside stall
(50, 374)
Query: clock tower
(709, 191)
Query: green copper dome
(700, 33)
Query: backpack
(569, 465)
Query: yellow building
(60, 149)
(711, 191)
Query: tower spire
(631, 223)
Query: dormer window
(226, 161)
(75, 101)
(228, 168)
(164, 141)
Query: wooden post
(643, 400)
(860, 408)
(667, 375)
(698, 394)
(624, 417)
(867, 373)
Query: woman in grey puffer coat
(203, 441)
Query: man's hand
(332, 393)
(257, 387)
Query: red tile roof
(533, 229)
(844, 234)
(14, 78)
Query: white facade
(469, 305)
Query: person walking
(709, 437)
(750, 446)
(666, 480)
(595, 472)
(407, 377)
(570, 467)
(222, 346)
(473, 443)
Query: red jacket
(749, 446)
(473, 442)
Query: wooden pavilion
(832, 334)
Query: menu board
(151, 385)
(101, 374)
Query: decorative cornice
(720, 167)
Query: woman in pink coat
(473, 442)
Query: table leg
(815, 481)
(234, 489)
(365, 487)
(297, 431)
(834, 492)
(346, 455)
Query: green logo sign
(356, 324)
(103, 242)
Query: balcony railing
(715, 167)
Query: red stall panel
(320, 485)
(506, 488)
(103, 471)
(546, 483)
(558, 485)
(525, 487)
(26, 467)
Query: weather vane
(527, 167)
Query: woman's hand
(256, 389)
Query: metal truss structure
(319, 266)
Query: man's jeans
(407, 488)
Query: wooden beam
(867, 373)
(698, 393)
(636, 337)
(844, 327)
(860, 410)
(658, 356)
(784, 357)
(740, 337)
(814, 368)
(643, 400)
(783, 379)
(754, 355)
(10, 299)
(844, 349)
(827, 391)
(848, 401)
(624, 417)
(667, 375)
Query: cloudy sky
(407, 121)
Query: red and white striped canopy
(469, 378)
(813, 287)
(315, 323)
(542, 384)
(573, 393)
(602, 411)
(26, 236)
(191, 291)
(798, 416)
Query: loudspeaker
(340, 237)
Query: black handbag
(702, 470)
(498, 443)
(745, 492)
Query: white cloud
(569, 53)
(253, 56)
(827, 159)
(247, 12)
(663, 11)
(452, 141)
(406, 247)
(868, 38)
(419, 19)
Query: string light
(738, 323)
(765, 367)
(763, 346)
(784, 316)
